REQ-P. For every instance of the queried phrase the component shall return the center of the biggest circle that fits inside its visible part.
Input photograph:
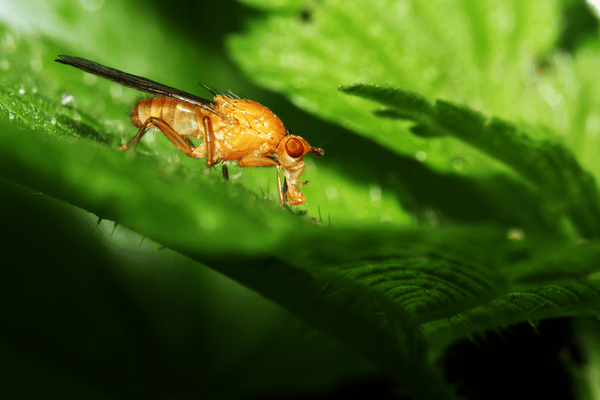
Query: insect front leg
(282, 191)
(262, 161)
(182, 143)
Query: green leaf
(552, 279)
(492, 58)
(547, 165)
(381, 285)
(275, 5)
(583, 378)
(400, 273)
(462, 52)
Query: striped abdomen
(183, 117)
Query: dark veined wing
(134, 82)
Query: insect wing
(135, 82)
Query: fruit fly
(230, 128)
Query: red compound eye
(294, 148)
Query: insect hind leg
(182, 143)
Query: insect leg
(257, 161)
(188, 141)
(282, 192)
(225, 172)
(209, 139)
(182, 144)
(262, 161)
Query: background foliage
(457, 196)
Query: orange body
(228, 128)
(243, 130)
(241, 127)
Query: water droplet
(90, 79)
(53, 121)
(118, 125)
(92, 5)
(36, 65)
(11, 116)
(403, 8)
(21, 90)
(592, 125)
(173, 160)
(502, 21)
(331, 193)
(116, 92)
(208, 221)
(550, 94)
(150, 137)
(515, 234)
(421, 156)
(375, 194)
(386, 218)
(9, 44)
(458, 163)
(67, 99)
(431, 73)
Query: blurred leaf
(545, 164)
(465, 52)
(584, 379)
(376, 286)
(220, 224)
(552, 278)
(275, 5)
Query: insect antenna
(328, 140)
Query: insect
(230, 128)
